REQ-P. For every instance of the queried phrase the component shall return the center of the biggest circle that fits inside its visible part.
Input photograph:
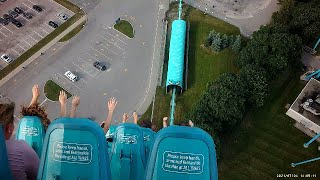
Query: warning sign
(183, 162)
(72, 152)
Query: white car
(6, 58)
(71, 76)
(63, 16)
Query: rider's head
(6, 118)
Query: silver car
(6, 58)
(63, 16)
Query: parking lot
(16, 40)
(108, 47)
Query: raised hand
(63, 98)
(75, 101)
(112, 103)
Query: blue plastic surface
(109, 136)
(315, 73)
(74, 148)
(182, 153)
(148, 137)
(176, 54)
(127, 155)
(5, 172)
(31, 130)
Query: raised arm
(112, 103)
(75, 104)
(35, 95)
(164, 122)
(135, 117)
(63, 103)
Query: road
(133, 63)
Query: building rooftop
(310, 91)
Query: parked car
(7, 17)
(13, 14)
(99, 66)
(27, 15)
(3, 21)
(63, 16)
(3, 0)
(6, 58)
(16, 23)
(37, 8)
(18, 10)
(71, 76)
(53, 24)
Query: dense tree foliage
(255, 81)
(272, 48)
(302, 17)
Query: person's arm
(35, 95)
(112, 103)
(63, 103)
(75, 104)
(124, 118)
(164, 122)
(31, 162)
(191, 123)
(135, 117)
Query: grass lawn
(204, 65)
(52, 91)
(125, 27)
(78, 14)
(267, 142)
(72, 33)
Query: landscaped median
(125, 28)
(17, 62)
(52, 91)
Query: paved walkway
(42, 50)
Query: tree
(209, 39)
(255, 81)
(272, 49)
(216, 43)
(236, 46)
(222, 104)
(232, 38)
(224, 41)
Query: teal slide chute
(74, 148)
(181, 152)
(31, 130)
(148, 139)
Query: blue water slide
(31, 130)
(181, 152)
(315, 73)
(5, 172)
(74, 148)
(127, 154)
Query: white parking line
(21, 47)
(91, 56)
(38, 34)
(100, 52)
(27, 42)
(82, 69)
(49, 26)
(85, 60)
(68, 79)
(109, 49)
(3, 34)
(31, 2)
(113, 43)
(33, 38)
(116, 37)
(8, 29)
(25, 18)
(30, 8)
(15, 51)
(44, 30)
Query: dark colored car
(27, 15)
(37, 8)
(3, 0)
(99, 66)
(16, 23)
(18, 10)
(53, 24)
(13, 14)
(3, 21)
(7, 17)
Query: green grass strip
(52, 91)
(125, 27)
(72, 33)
